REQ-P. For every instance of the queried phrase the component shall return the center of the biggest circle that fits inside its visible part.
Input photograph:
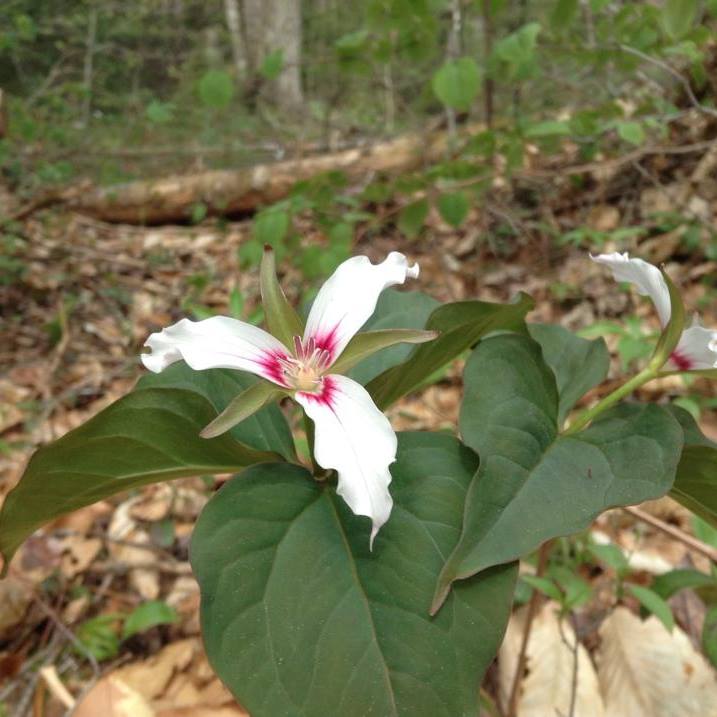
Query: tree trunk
(233, 17)
(273, 25)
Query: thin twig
(532, 611)
(574, 652)
(673, 73)
(674, 532)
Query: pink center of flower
(304, 370)
(682, 362)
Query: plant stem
(531, 612)
(309, 430)
(647, 374)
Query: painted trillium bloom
(697, 346)
(352, 436)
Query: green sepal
(461, 325)
(367, 343)
(240, 408)
(671, 334)
(281, 317)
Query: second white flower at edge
(352, 436)
(697, 348)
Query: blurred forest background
(150, 148)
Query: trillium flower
(697, 346)
(352, 436)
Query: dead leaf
(547, 687)
(78, 554)
(111, 697)
(15, 598)
(234, 711)
(646, 670)
(151, 676)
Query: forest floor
(89, 294)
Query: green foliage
(155, 429)
(578, 364)
(395, 310)
(159, 112)
(631, 132)
(99, 637)
(522, 489)
(282, 559)
(709, 635)
(272, 65)
(678, 17)
(653, 603)
(456, 84)
(460, 325)
(146, 616)
(514, 55)
(412, 218)
(216, 89)
(453, 207)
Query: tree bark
(273, 25)
(233, 17)
(226, 192)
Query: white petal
(354, 438)
(348, 298)
(647, 278)
(218, 342)
(697, 349)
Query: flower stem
(309, 430)
(647, 374)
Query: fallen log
(227, 192)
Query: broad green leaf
(461, 325)
(299, 618)
(412, 218)
(696, 481)
(668, 584)
(631, 132)
(148, 436)
(246, 404)
(147, 615)
(216, 89)
(678, 17)
(367, 343)
(453, 207)
(394, 310)
(534, 484)
(456, 84)
(653, 603)
(266, 430)
(578, 364)
(516, 53)
(281, 317)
